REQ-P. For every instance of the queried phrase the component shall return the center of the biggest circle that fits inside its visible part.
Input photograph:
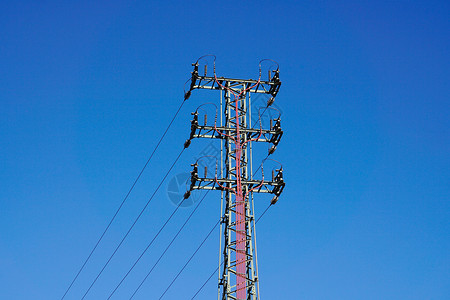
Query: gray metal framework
(238, 279)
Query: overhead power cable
(189, 260)
(164, 252)
(134, 223)
(207, 280)
(212, 274)
(198, 248)
(122, 203)
(151, 270)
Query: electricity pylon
(238, 279)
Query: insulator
(270, 101)
(277, 123)
(187, 95)
(187, 143)
(271, 124)
(187, 194)
(270, 75)
(195, 72)
(274, 200)
(272, 149)
(206, 118)
(206, 171)
(194, 121)
(206, 69)
(273, 174)
(279, 177)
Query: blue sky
(86, 90)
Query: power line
(189, 260)
(164, 252)
(123, 201)
(167, 248)
(207, 280)
(145, 250)
(134, 223)
(259, 218)
(212, 274)
(201, 244)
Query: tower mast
(238, 278)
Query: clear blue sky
(87, 87)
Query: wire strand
(189, 260)
(198, 248)
(122, 203)
(145, 250)
(134, 223)
(168, 246)
(207, 280)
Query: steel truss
(238, 278)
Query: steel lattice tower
(238, 277)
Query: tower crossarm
(198, 81)
(275, 186)
(272, 135)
